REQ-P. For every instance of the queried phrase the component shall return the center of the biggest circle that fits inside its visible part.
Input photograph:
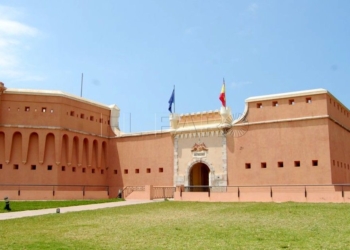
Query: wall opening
(199, 178)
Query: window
(102, 171)
(275, 104)
(74, 169)
(0, 166)
(43, 110)
(115, 171)
(27, 109)
(314, 163)
(308, 99)
(63, 168)
(137, 171)
(126, 171)
(51, 110)
(72, 113)
(33, 167)
(291, 102)
(101, 120)
(148, 170)
(296, 163)
(259, 105)
(82, 116)
(280, 164)
(49, 167)
(161, 170)
(263, 165)
(91, 118)
(15, 166)
(247, 166)
(83, 170)
(93, 171)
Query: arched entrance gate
(199, 177)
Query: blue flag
(171, 101)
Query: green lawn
(34, 205)
(186, 225)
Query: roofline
(287, 95)
(56, 93)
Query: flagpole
(174, 99)
(225, 92)
(81, 85)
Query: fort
(285, 147)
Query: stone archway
(199, 177)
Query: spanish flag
(222, 95)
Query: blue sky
(132, 53)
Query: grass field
(186, 225)
(17, 206)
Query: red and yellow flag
(222, 95)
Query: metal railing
(53, 188)
(163, 192)
(129, 189)
(224, 189)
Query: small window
(291, 102)
(15, 166)
(263, 165)
(247, 166)
(72, 113)
(315, 163)
(84, 170)
(115, 171)
(102, 171)
(137, 171)
(91, 118)
(27, 109)
(259, 105)
(43, 110)
(0, 166)
(74, 169)
(51, 111)
(33, 167)
(296, 163)
(275, 104)
(148, 170)
(161, 170)
(126, 171)
(101, 120)
(63, 168)
(108, 122)
(93, 171)
(280, 164)
(49, 167)
(308, 99)
(82, 116)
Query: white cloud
(8, 27)
(14, 42)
